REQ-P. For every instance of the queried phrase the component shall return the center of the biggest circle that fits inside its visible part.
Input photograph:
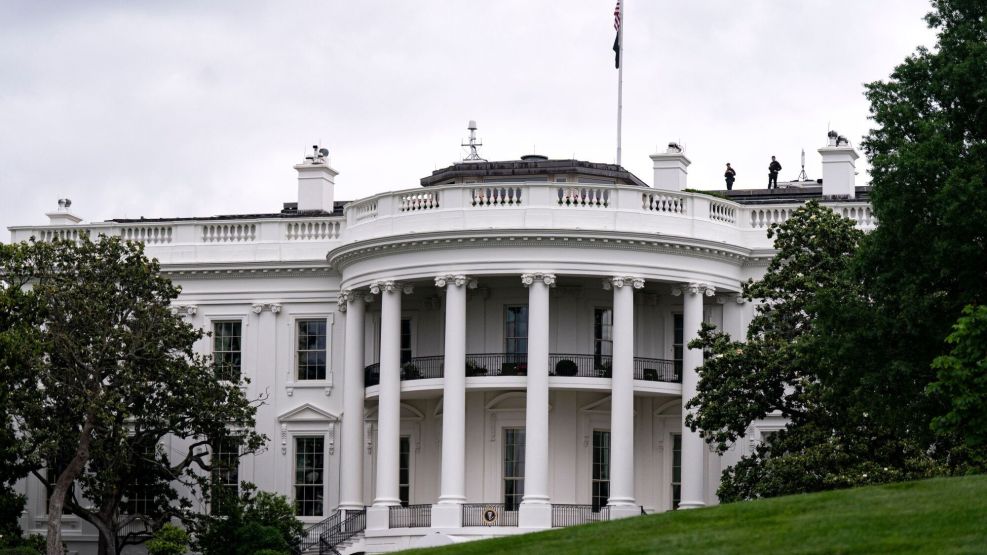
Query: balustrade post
(535, 510)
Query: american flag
(616, 40)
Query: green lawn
(930, 516)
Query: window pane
(404, 471)
(309, 475)
(226, 349)
(311, 355)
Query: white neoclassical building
(499, 350)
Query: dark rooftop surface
(531, 166)
(783, 195)
(290, 211)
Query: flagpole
(620, 74)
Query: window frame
(597, 502)
(296, 338)
(518, 478)
(213, 323)
(295, 484)
(600, 359)
(514, 338)
(675, 489)
(219, 451)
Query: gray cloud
(188, 108)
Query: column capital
(531, 277)
(458, 280)
(185, 310)
(257, 308)
(694, 288)
(390, 286)
(620, 281)
(351, 296)
(731, 297)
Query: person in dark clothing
(773, 168)
(730, 175)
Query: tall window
(226, 349)
(404, 471)
(139, 496)
(513, 468)
(406, 351)
(225, 473)
(309, 470)
(601, 469)
(312, 349)
(676, 470)
(516, 330)
(677, 340)
(602, 337)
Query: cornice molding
(346, 255)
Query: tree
(118, 375)
(169, 540)
(925, 261)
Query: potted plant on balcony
(409, 371)
(473, 369)
(566, 367)
(606, 371)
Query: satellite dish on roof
(324, 152)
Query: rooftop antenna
(473, 156)
(802, 175)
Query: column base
(447, 515)
(691, 504)
(623, 511)
(536, 515)
(379, 517)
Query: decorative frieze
(546, 278)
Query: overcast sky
(162, 109)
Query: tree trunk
(107, 538)
(56, 503)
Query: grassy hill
(930, 516)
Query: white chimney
(671, 168)
(838, 167)
(316, 182)
(63, 216)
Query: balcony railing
(572, 515)
(412, 516)
(516, 364)
(488, 514)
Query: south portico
(535, 511)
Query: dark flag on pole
(616, 40)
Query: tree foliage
(117, 375)
(260, 521)
(962, 381)
(168, 540)
(844, 342)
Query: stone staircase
(339, 534)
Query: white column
(389, 399)
(693, 475)
(535, 510)
(733, 316)
(621, 502)
(452, 492)
(353, 303)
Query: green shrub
(22, 550)
(169, 540)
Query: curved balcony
(514, 364)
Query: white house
(496, 351)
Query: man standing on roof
(773, 168)
(730, 175)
